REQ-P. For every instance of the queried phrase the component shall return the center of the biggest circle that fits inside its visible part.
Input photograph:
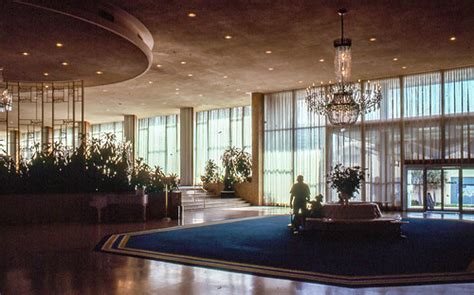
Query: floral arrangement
(346, 180)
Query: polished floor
(58, 259)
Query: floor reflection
(58, 259)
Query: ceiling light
(270, 69)
(183, 62)
(300, 82)
(395, 59)
(404, 67)
(46, 86)
(225, 77)
(372, 39)
(150, 82)
(342, 102)
(190, 75)
(99, 72)
(105, 90)
(268, 52)
(65, 63)
(25, 53)
(200, 95)
(46, 74)
(177, 89)
(228, 37)
(452, 38)
(158, 66)
(321, 60)
(191, 14)
(59, 45)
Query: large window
(216, 130)
(423, 118)
(158, 142)
(99, 130)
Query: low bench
(385, 226)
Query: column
(186, 141)
(14, 145)
(47, 138)
(84, 132)
(257, 148)
(130, 132)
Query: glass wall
(216, 130)
(158, 142)
(423, 118)
(99, 130)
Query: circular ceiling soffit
(72, 40)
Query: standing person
(298, 199)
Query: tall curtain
(217, 130)
(158, 142)
(414, 117)
(278, 156)
(99, 130)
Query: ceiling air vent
(105, 15)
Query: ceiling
(220, 72)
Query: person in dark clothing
(298, 201)
(317, 207)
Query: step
(206, 206)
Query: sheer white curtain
(158, 142)
(278, 141)
(217, 130)
(99, 130)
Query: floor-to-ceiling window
(99, 130)
(423, 118)
(217, 130)
(158, 142)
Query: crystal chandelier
(343, 101)
(6, 98)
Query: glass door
(451, 189)
(415, 188)
(434, 189)
(467, 201)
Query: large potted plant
(237, 166)
(346, 180)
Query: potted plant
(211, 175)
(346, 180)
(237, 168)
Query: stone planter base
(157, 205)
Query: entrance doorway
(435, 188)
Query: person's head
(299, 178)
(319, 198)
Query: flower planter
(157, 205)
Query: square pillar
(186, 141)
(47, 138)
(130, 132)
(14, 145)
(257, 147)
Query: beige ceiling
(298, 33)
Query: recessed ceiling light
(228, 37)
(191, 14)
(321, 60)
(404, 67)
(372, 39)
(190, 75)
(65, 63)
(200, 95)
(46, 74)
(225, 77)
(270, 69)
(46, 86)
(395, 59)
(99, 72)
(177, 89)
(300, 82)
(158, 66)
(268, 52)
(105, 90)
(183, 62)
(452, 38)
(150, 82)
(25, 53)
(59, 45)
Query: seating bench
(376, 226)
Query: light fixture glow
(46, 74)
(321, 60)
(395, 59)
(158, 66)
(191, 14)
(183, 62)
(150, 82)
(59, 45)
(404, 67)
(25, 53)
(228, 37)
(190, 75)
(268, 52)
(452, 38)
(270, 69)
(225, 77)
(372, 39)
(99, 72)
(65, 63)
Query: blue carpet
(435, 251)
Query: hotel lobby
(237, 147)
